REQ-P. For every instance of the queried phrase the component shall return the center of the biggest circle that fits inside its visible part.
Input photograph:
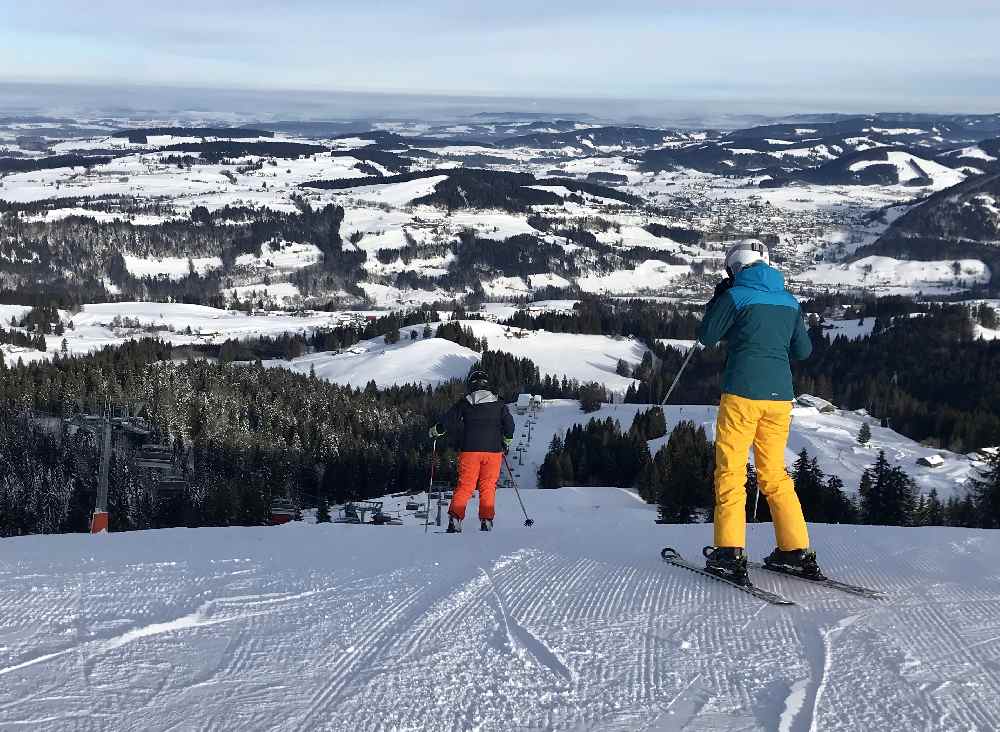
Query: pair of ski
(672, 556)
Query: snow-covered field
(103, 324)
(851, 329)
(573, 624)
(593, 357)
(431, 361)
(582, 357)
(651, 275)
(173, 268)
(900, 276)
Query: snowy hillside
(911, 169)
(572, 624)
(830, 438)
(900, 276)
(594, 358)
(110, 324)
(432, 361)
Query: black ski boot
(727, 562)
(486, 524)
(800, 562)
(454, 525)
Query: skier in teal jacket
(763, 328)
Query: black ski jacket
(478, 423)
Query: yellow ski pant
(763, 424)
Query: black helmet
(478, 379)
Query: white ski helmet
(744, 253)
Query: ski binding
(672, 556)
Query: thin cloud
(894, 51)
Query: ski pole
(427, 518)
(677, 378)
(513, 482)
(756, 498)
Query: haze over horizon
(675, 58)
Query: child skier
(763, 327)
(484, 429)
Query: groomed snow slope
(574, 624)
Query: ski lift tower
(99, 523)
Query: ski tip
(669, 553)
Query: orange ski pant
(763, 424)
(477, 469)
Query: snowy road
(573, 624)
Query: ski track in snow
(574, 624)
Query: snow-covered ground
(573, 624)
(651, 275)
(431, 361)
(900, 276)
(909, 167)
(582, 357)
(173, 268)
(594, 358)
(104, 324)
(830, 438)
(853, 330)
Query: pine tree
(935, 511)
(888, 495)
(569, 472)
(986, 493)
(864, 434)
(592, 395)
(650, 480)
(809, 487)
(900, 498)
(689, 462)
(839, 508)
(871, 491)
(550, 473)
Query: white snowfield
(98, 325)
(853, 330)
(572, 624)
(651, 275)
(434, 360)
(172, 268)
(900, 275)
(830, 438)
(424, 361)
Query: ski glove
(722, 287)
(506, 443)
(720, 290)
(436, 431)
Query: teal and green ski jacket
(762, 325)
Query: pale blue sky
(884, 55)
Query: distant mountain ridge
(959, 222)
